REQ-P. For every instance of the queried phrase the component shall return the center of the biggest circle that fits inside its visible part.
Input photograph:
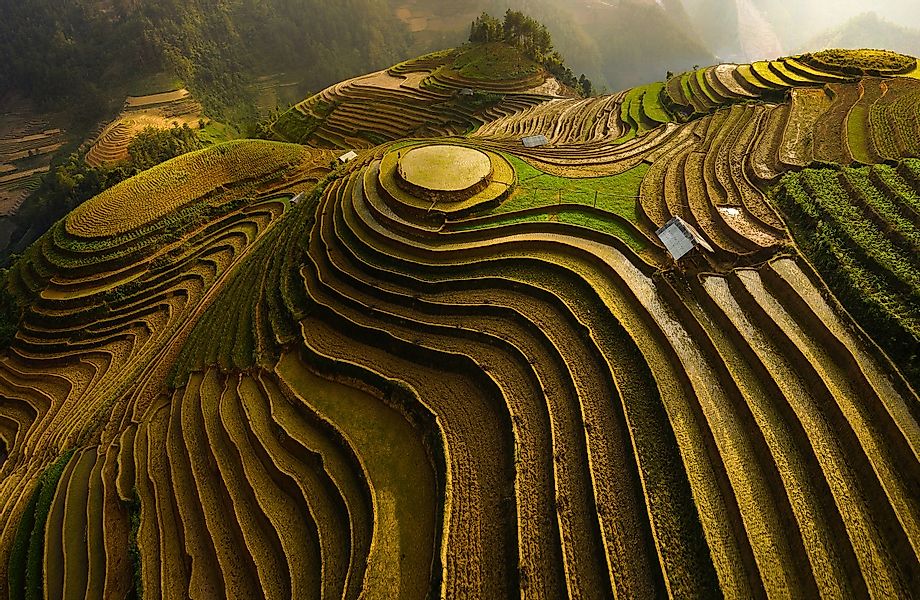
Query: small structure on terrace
(348, 157)
(534, 141)
(679, 237)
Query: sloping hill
(250, 373)
(448, 92)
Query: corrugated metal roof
(534, 141)
(679, 237)
(348, 156)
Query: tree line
(76, 52)
(534, 40)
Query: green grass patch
(155, 83)
(615, 194)
(652, 106)
(857, 139)
(642, 110)
(494, 62)
(217, 133)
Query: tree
(533, 39)
(486, 28)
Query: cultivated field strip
(562, 121)
(286, 379)
(399, 103)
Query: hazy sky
(768, 28)
(830, 13)
(817, 16)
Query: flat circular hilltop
(445, 168)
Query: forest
(61, 50)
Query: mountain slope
(458, 366)
(869, 31)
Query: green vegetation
(134, 510)
(530, 37)
(861, 61)
(642, 110)
(493, 61)
(153, 146)
(231, 333)
(26, 557)
(55, 52)
(616, 194)
(860, 228)
(299, 123)
(10, 312)
(480, 99)
(215, 132)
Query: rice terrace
(458, 366)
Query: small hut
(679, 237)
(534, 141)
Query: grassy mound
(493, 61)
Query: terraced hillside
(27, 144)
(444, 93)
(163, 110)
(458, 367)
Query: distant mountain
(743, 30)
(869, 31)
(638, 41)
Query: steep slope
(444, 93)
(456, 366)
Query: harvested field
(419, 98)
(28, 143)
(160, 111)
(460, 367)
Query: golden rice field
(161, 111)
(252, 373)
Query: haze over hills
(868, 30)
(217, 49)
(727, 26)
